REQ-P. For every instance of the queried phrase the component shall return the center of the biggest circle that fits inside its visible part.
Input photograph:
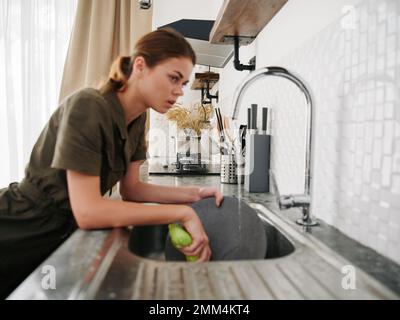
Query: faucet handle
(288, 201)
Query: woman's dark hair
(155, 47)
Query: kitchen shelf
(244, 19)
(201, 79)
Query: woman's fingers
(196, 247)
(218, 198)
(191, 251)
(205, 254)
(207, 192)
(200, 243)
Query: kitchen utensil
(248, 118)
(223, 145)
(229, 134)
(229, 170)
(254, 116)
(264, 120)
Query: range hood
(197, 33)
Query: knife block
(257, 162)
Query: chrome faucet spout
(287, 201)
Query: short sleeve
(79, 136)
(141, 150)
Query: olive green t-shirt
(87, 133)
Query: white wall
(296, 22)
(353, 72)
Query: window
(34, 36)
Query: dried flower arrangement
(196, 118)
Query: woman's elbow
(84, 218)
(82, 222)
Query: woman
(93, 140)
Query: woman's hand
(207, 192)
(199, 246)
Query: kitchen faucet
(286, 201)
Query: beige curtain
(103, 29)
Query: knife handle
(254, 116)
(264, 119)
(248, 118)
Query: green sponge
(180, 238)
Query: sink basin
(149, 241)
(98, 265)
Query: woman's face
(161, 85)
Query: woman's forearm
(145, 192)
(107, 213)
(92, 211)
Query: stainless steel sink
(149, 241)
(100, 265)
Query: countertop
(98, 265)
